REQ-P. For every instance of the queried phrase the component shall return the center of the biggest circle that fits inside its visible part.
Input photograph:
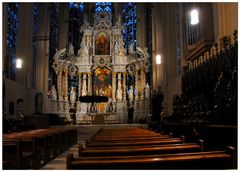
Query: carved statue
(56, 55)
(73, 94)
(59, 54)
(84, 90)
(147, 91)
(53, 93)
(145, 53)
(116, 48)
(131, 49)
(20, 106)
(140, 51)
(79, 51)
(86, 51)
(71, 49)
(85, 21)
(119, 21)
(130, 94)
(119, 94)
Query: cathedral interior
(130, 85)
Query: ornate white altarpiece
(102, 67)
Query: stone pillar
(89, 84)
(59, 84)
(84, 89)
(136, 83)
(119, 83)
(143, 82)
(119, 80)
(66, 84)
(124, 86)
(114, 86)
(79, 84)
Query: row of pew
(138, 148)
(34, 148)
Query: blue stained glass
(98, 9)
(12, 28)
(130, 23)
(34, 43)
(103, 6)
(108, 9)
(81, 6)
(76, 5)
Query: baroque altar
(102, 67)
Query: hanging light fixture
(18, 63)
(158, 59)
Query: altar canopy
(102, 68)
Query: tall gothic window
(75, 21)
(148, 16)
(130, 24)
(178, 39)
(103, 6)
(12, 28)
(192, 27)
(54, 40)
(75, 5)
(34, 41)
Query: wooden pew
(23, 150)
(196, 160)
(130, 130)
(12, 154)
(133, 142)
(140, 150)
(44, 144)
(137, 133)
(129, 138)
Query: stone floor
(85, 132)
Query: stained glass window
(34, 41)
(12, 28)
(178, 39)
(54, 40)
(75, 5)
(76, 11)
(130, 24)
(103, 6)
(148, 25)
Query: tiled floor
(85, 132)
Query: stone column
(114, 86)
(124, 86)
(119, 82)
(89, 84)
(136, 83)
(59, 84)
(143, 82)
(66, 84)
(79, 84)
(84, 89)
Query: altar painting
(102, 44)
(102, 82)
